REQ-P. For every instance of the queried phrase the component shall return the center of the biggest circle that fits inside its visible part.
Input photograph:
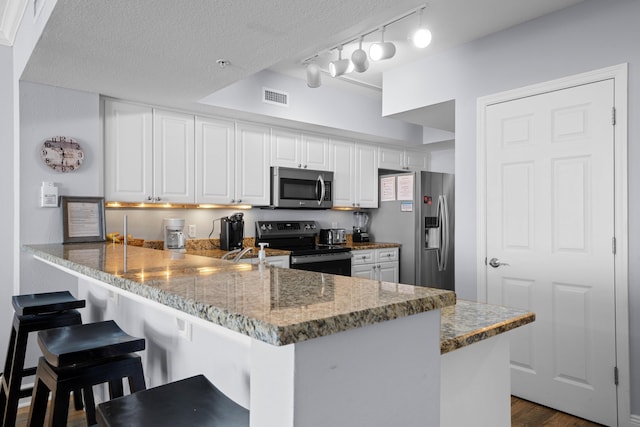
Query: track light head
(340, 66)
(382, 50)
(359, 59)
(314, 79)
(422, 36)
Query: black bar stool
(33, 312)
(79, 357)
(193, 402)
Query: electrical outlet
(192, 230)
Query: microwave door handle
(322, 189)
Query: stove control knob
(263, 227)
(269, 227)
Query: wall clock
(62, 154)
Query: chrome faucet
(228, 254)
(242, 253)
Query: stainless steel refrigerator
(423, 224)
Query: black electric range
(299, 237)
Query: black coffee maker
(231, 232)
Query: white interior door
(550, 217)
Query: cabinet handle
(305, 166)
(149, 198)
(157, 199)
(239, 200)
(299, 165)
(233, 200)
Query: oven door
(337, 263)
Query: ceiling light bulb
(422, 38)
(313, 75)
(382, 50)
(340, 66)
(359, 59)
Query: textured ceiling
(165, 51)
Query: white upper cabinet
(355, 175)
(128, 136)
(315, 152)
(215, 161)
(293, 149)
(252, 164)
(402, 159)
(173, 157)
(366, 171)
(149, 154)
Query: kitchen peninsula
(298, 348)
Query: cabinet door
(315, 152)
(343, 158)
(364, 271)
(128, 146)
(173, 157)
(388, 272)
(417, 160)
(362, 257)
(286, 148)
(252, 164)
(366, 176)
(215, 160)
(391, 158)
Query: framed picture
(82, 219)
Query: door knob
(495, 263)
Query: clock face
(62, 154)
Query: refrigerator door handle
(443, 219)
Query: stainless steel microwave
(301, 188)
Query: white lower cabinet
(376, 264)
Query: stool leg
(14, 374)
(38, 404)
(60, 406)
(90, 406)
(136, 381)
(77, 400)
(115, 388)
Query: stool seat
(86, 343)
(193, 402)
(47, 302)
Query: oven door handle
(320, 181)
(308, 259)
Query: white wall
(47, 111)
(324, 106)
(8, 101)
(591, 35)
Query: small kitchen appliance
(360, 221)
(232, 232)
(333, 236)
(174, 238)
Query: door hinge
(615, 375)
(485, 260)
(613, 116)
(613, 245)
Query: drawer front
(387, 254)
(362, 257)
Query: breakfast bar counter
(286, 342)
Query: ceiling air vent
(275, 97)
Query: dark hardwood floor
(523, 414)
(529, 414)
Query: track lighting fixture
(422, 36)
(313, 75)
(340, 66)
(359, 59)
(382, 50)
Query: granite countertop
(468, 322)
(372, 245)
(274, 305)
